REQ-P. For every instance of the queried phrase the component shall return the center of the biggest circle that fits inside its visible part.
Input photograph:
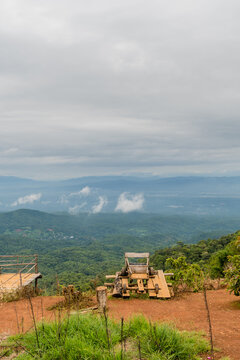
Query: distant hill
(188, 228)
(149, 194)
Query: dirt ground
(187, 312)
(16, 316)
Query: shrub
(18, 294)
(186, 276)
(232, 274)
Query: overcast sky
(119, 87)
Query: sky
(119, 87)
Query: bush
(18, 294)
(232, 274)
(186, 276)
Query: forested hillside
(205, 252)
(82, 249)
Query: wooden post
(102, 297)
(36, 287)
(36, 264)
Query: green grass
(85, 337)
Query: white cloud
(175, 206)
(84, 191)
(98, 207)
(28, 199)
(75, 209)
(64, 199)
(128, 202)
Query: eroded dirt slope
(189, 313)
(16, 316)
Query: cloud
(98, 207)
(128, 202)
(64, 199)
(175, 206)
(85, 192)
(74, 210)
(28, 199)
(175, 109)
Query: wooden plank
(151, 289)
(140, 285)
(32, 278)
(163, 291)
(110, 276)
(136, 255)
(16, 256)
(157, 285)
(125, 282)
(16, 264)
(139, 276)
(13, 281)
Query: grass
(97, 337)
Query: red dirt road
(16, 316)
(189, 313)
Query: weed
(18, 294)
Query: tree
(186, 276)
(232, 274)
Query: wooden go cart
(137, 276)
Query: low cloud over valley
(102, 201)
(28, 199)
(128, 202)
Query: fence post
(20, 275)
(36, 264)
(102, 297)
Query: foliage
(186, 276)
(232, 274)
(219, 260)
(211, 255)
(88, 337)
(218, 263)
(200, 252)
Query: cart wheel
(124, 288)
(156, 288)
